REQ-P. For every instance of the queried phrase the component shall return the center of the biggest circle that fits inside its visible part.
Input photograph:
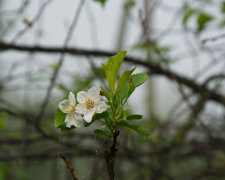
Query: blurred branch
(31, 23)
(68, 165)
(215, 38)
(60, 62)
(154, 69)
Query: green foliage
(188, 13)
(202, 21)
(102, 132)
(59, 118)
(122, 86)
(137, 80)
(3, 171)
(223, 7)
(129, 4)
(3, 117)
(102, 2)
(136, 128)
(202, 18)
(134, 117)
(112, 68)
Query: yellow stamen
(89, 104)
(70, 109)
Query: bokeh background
(182, 46)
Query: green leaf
(102, 133)
(59, 119)
(97, 117)
(3, 117)
(112, 68)
(203, 20)
(137, 80)
(188, 14)
(102, 2)
(223, 7)
(134, 117)
(122, 86)
(136, 128)
(15, 135)
(129, 4)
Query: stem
(110, 156)
(69, 166)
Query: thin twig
(62, 57)
(68, 165)
(215, 38)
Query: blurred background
(51, 47)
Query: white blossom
(68, 107)
(90, 103)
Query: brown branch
(69, 166)
(110, 157)
(215, 38)
(154, 69)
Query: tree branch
(68, 165)
(154, 69)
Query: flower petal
(64, 105)
(78, 120)
(73, 120)
(88, 115)
(94, 94)
(69, 120)
(72, 99)
(101, 107)
(81, 97)
(81, 108)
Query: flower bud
(101, 93)
(130, 79)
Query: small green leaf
(112, 68)
(59, 118)
(15, 135)
(137, 80)
(223, 7)
(136, 128)
(202, 21)
(27, 22)
(101, 1)
(3, 117)
(188, 14)
(105, 122)
(122, 86)
(129, 4)
(102, 133)
(134, 117)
